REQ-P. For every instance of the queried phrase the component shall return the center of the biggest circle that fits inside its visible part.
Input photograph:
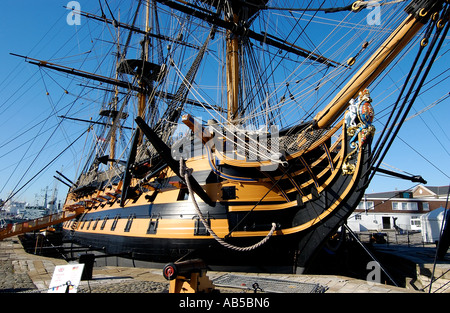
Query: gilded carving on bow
(358, 120)
(347, 167)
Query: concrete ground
(40, 270)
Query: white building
(400, 210)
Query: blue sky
(38, 29)
(35, 29)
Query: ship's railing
(37, 224)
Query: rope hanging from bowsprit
(186, 172)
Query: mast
(237, 21)
(232, 66)
(113, 140)
(142, 98)
(386, 53)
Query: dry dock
(24, 272)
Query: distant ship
(13, 212)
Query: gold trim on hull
(167, 228)
(245, 192)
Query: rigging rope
(355, 7)
(176, 105)
(44, 168)
(423, 67)
(423, 157)
(185, 172)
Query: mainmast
(113, 140)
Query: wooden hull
(308, 199)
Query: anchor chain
(185, 172)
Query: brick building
(388, 210)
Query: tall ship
(241, 132)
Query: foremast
(232, 66)
(238, 15)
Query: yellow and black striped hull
(308, 199)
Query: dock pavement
(24, 272)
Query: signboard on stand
(66, 278)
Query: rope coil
(185, 172)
